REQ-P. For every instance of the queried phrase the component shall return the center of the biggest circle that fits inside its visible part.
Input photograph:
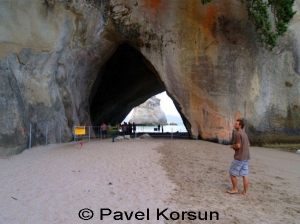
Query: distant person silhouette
(104, 130)
(133, 127)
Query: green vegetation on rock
(259, 12)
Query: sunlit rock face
(149, 113)
(64, 64)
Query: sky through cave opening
(174, 121)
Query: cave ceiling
(124, 82)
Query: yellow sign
(79, 130)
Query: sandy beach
(146, 181)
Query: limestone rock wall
(215, 70)
(206, 57)
(47, 66)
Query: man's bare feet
(244, 193)
(232, 191)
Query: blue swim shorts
(239, 168)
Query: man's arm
(237, 142)
(235, 146)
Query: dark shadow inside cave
(125, 81)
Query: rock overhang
(123, 82)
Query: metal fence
(97, 132)
(40, 134)
(43, 134)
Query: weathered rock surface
(149, 113)
(64, 64)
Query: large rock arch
(123, 82)
(53, 54)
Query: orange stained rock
(212, 105)
(227, 5)
(154, 3)
(237, 115)
(209, 20)
(224, 134)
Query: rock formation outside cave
(149, 113)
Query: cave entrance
(170, 120)
(125, 81)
